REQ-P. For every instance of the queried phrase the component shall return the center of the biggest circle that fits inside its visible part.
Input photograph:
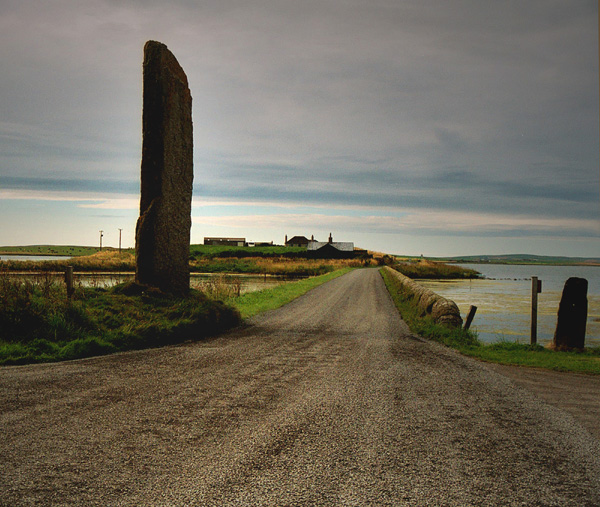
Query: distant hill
(522, 259)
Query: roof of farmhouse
(342, 247)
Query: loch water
(503, 300)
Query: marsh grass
(222, 287)
(203, 259)
(504, 352)
(39, 324)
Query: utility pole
(120, 241)
(101, 234)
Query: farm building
(299, 241)
(331, 249)
(225, 241)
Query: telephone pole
(101, 234)
(120, 241)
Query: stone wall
(442, 310)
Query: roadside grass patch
(39, 324)
(466, 342)
(253, 303)
(520, 354)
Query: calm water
(503, 300)
(34, 257)
(247, 283)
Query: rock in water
(572, 315)
(162, 238)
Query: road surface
(327, 401)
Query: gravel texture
(327, 401)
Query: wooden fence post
(536, 288)
(69, 281)
(470, 316)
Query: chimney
(285, 239)
(330, 238)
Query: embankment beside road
(442, 310)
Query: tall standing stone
(162, 238)
(572, 315)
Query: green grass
(537, 356)
(39, 324)
(253, 303)
(467, 343)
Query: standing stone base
(162, 245)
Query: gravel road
(327, 401)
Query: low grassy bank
(426, 269)
(467, 343)
(104, 261)
(292, 267)
(39, 324)
(253, 303)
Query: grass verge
(253, 303)
(467, 343)
(38, 323)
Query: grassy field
(212, 251)
(467, 343)
(48, 250)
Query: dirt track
(327, 401)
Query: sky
(413, 127)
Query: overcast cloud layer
(390, 122)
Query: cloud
(410, 221)
(462, 107)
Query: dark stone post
(162, 238)
(572, 315)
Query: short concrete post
(470, 316)
(572, 315)
(69, 281)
